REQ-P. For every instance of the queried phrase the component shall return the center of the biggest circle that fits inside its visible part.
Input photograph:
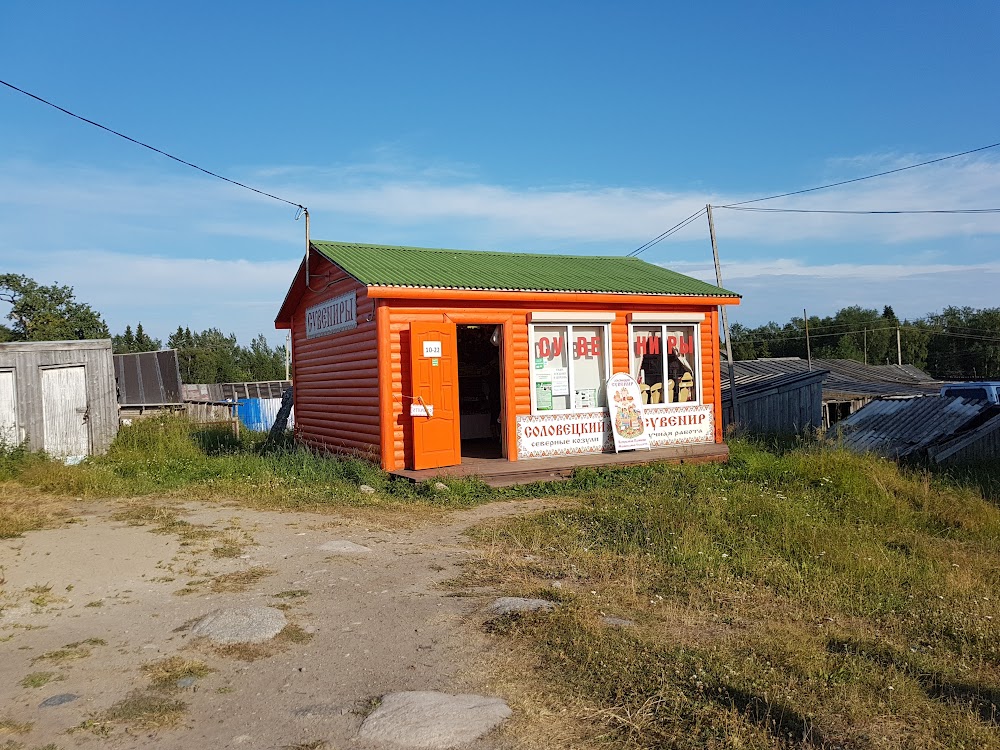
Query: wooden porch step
(502, 473)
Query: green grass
(799, 598)
(170, 455)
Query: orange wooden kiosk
(420, 358)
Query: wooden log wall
(336, 375)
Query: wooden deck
(498, 472)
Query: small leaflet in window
(543, 395)
(560, 381)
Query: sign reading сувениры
(332, 316)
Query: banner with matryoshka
(625, 405)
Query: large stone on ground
(507, 604)
(240, 625)
(426, 719)
(343, 547)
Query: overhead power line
(674, 229)
(779, 339)
(842, 211)
(151, 148)
(684, 223)
(866, 177)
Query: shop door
(64, 412)
(437, 439)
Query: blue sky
(576, 127)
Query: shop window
(569, 368)
(666, 362)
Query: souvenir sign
(333, 316)
(625, 403)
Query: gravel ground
(84, 607)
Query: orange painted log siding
(395, 316)
(336, 376)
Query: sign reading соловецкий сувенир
(332, 316)
(574, 433)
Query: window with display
(569, 368)
(666, 362)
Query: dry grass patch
(40, 679)
(290, 635)
(71, 651)
(239, 581)
(23, 509)
(140, 710)
(165, 673)
(9, 726)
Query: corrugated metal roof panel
(847, 380)
(389, 265)
(148, 378)
(897, 428)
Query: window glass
(570, 367)
(550, 370)
(589, 368)
(665, 362)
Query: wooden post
(725, 317)
(288, 354)
(809, 358)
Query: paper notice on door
(560, 381)
(420, 410)
(432, 348)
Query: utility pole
(809, 357)
(899, 349)
(725, 315)
(866, 346)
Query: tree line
(52, 313)
(959, 343)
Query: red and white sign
(575, 433)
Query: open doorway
(480, 390)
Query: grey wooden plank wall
(784, 410)
(29, 359)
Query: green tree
(260, 362)
(132, 343)
(47, 313)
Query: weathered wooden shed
(422, 358)
(789, 403)
(58, 396)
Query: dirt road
(96, 646)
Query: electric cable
(675, 228)
(151, 148)
(841, 211)
(860, 179)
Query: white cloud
(170, 248)
(236, 296)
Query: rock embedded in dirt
(427, 719)
(618, 622)
(508, 604)
(58, 700)
(343, 547)
(240, 625)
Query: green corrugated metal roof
(388, 265)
